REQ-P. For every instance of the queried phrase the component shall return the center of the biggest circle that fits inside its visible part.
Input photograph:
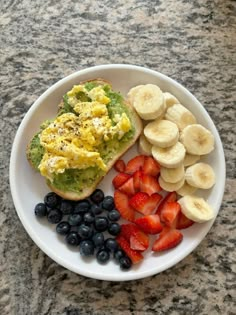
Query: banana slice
(186, 189)
(197, 139)
(171, 157)
(132, 92)
(170, 186)
(162, 133)
(170, 99)
(144, 147)
(190, 159)
(149, 102)
(172, 175)
(180, 115)
(200, 175)
(196, 208)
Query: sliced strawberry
(121, 201)
(137, 238)
(137, 180)
(128, 187)
(144, 203)
(150, 166)
(135, 164)
(172, 196)
(167, 239)
(119, 166)
(149, 224)
(120, 179)
(134, 255)
(182, 222)
(170, 212)
(149, 184)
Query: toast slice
(79, 183)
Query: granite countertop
(192, 42)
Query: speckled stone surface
(194, 42)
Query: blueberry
(96, 209)
(85, 231)
(54, 216)
(97, 196)
(40, 210)
(125, 263)
(75, 219)
(82, 206)
(118, 254)
(86, 248)
(103, 256)
(113, 215)
(89, 218)
(73, 238)
(52, 200)
(63, 228)
(101, 224)
(66, 207)
(98, 239)
(114, 229)
(108, 203)
(111, 244)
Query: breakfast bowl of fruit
(117, 172)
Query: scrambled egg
(72, 139)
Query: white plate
(29, 188)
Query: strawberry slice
(149, 184)
(128, 187)
(167, 239)
(182, 222)
(137, 180)
(138, 239)
(149, 224)
(170, 212)
(120, 166)
(144, 203)
(120, 179)
(135, 164)
(121, 201)
(150, 166)
(172, 196)
(134, 255)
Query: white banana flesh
(190, 159)
(197, 139)
(144, 147)
(170, 186)
(196, 208)
(170, 99)
(162, 133)
(132, 92)
(186, 189)
(171, 157)
(180, 115)
(172, 175)
(200, 175)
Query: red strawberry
(134, 255)
(137, 180)
(144, 203)
(182, 222)
(149, 184)
(119, 166)
(138, 239)
(121, 201)
(170, 212)
(128, 187)
(149, 224)
(150, 166)
(120, 179)
(135, 164)
(167, 239)
(172, 196)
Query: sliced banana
(186, 189)
(144, 147)
(170, 186)
(132, 92)
(190, 159)
(196, 208)
(171, 157)
(162, 133)
(197, 139)
(172, 175)
(200, 175)
(170, 99)
(149, 102)
(180, 115)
